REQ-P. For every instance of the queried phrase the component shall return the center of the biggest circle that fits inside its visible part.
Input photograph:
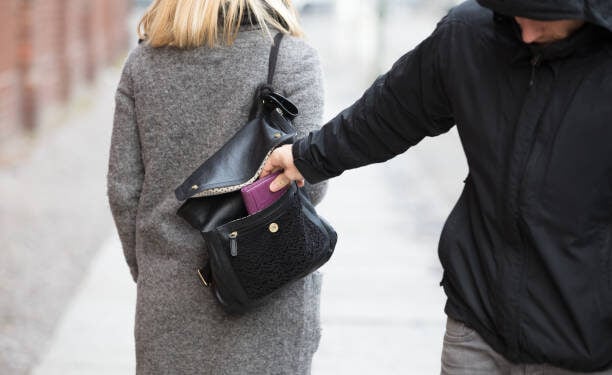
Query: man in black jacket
(527, 250)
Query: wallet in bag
(258, 196)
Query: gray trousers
(465, 353)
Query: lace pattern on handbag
(267, 259)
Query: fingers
(279, 182)
(275, 161)
(265, 172)
(269, 167)
(282, 159)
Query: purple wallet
(258, 196)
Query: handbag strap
(267, 87)
(273, 57)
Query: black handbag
(251, 257)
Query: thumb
(270, 166)
(279, 182)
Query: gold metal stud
(273, 228)
(194, 187)
(277, 135)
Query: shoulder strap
(273, 57)
(267, 87)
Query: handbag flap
(241, 159)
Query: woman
(183, 93)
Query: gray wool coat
(174, 109)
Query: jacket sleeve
(402, 107)
(299, 76)
(125, 170)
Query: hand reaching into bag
(282, 159)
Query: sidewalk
(94, 336)
(53, 218)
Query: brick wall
(46, 44)
(118, 36)
(10, 92)
(50, 47)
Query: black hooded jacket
(527, 250)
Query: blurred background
(66, 297)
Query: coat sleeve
(125, 169)
(299, 76)
(402, 107)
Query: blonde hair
(194, 23)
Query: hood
(598, 12)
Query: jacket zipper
(535, 62)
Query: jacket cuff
(300, 150)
